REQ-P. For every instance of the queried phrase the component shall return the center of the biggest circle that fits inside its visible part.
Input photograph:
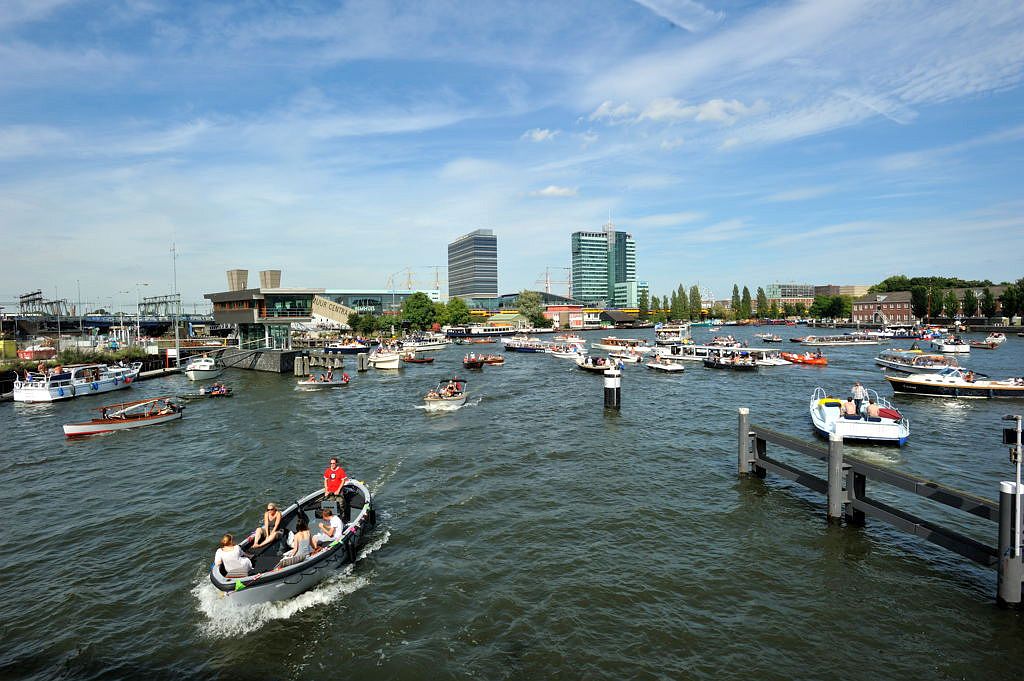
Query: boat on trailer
(889, 427)
(274, 577)
(126, 415)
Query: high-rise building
(601, 261)
(473, 265)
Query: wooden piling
(835, 478)
(743, 442)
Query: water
(526, 535)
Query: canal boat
(663, 366)
(203, 368)
(473, 362)
(670, 334)
(614, 344)
(323, 381)
(127, 415)
(349, 347)
(525, 344)
(725, 342)
(73, 381)
(411, 358)
(837, 341)
(595, 365)
(957, 382)
(494, 360)
(914, 361)
(274, 577)
(477, 331)
(450, 393)
(889, 427)
(812, 358)
(382, 358)
(731, 362)
(952, 344)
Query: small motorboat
(725, 342)
(571, 353)
(812, 358)
(411, 358)
(203, 368)
(991, 342)
(771, 361)
(128, 415)
(494, 360)
(889, 427)
(914, 361)
(382, 358)
(798, 339)
(950, 344)
(595, 365)
(627, 357)
(771, 338)
(324, 380)
(274, 577)
(207, 392)
(350, 347)
(734, 363)
(450, 393)
(473, 362)
(482, 341)
(666, 367)
(957, 382)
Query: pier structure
(846, 490)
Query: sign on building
(328, 309)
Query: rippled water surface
(527, 535)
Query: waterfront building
(600, 261)
(565, 316)
(627, 293)
(789, 294)
(852, 290)
(473, 265)
(884, 308)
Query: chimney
(270, 279)
(238, 280)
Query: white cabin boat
(203, 368)
(382, 358)
(75, 381)
(659, 364)
(641, 345)
(835, 341)
(889, 427)
(914, 362)
(670, 334)
(629, 357)
(952, 344)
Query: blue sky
(823, 141)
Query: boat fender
(115, 380)
(350, 550)
(60, 392)
(238, 585)
(95, 385)
(371, 517)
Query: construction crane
(546, 280)
(411, 281)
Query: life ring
(60, 392)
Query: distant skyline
(738, 141)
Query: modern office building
(601, 261)
(781, 294)
(853, 290)
(473, 265)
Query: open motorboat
(382, 358)
(889, 427)
(991, 342)
(274, 577)
(950, 344)
(813, 358)
(128, 415)
(208, 392)
(595, 365)
(732, 361)
(914, 361)
(411, 358)
(658, 364)
(65, 383)
(323, 380)
(773, 359)
(203, 368)
(450, 393)
(629, 357)
(725, 342)
(771, 338)
(494, 360)
(473, 361)
(957, 382)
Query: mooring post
(297, 367)
(855, 486)
(743, 442)
(362, 362)
(612, 389)
(835, 477)
(1010, 570)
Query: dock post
(297, 367)
(743, 442)
(362, 362)
(855, 486)
(612, 389)
(835, 477)
(1010, 572)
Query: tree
(799, 309)
(643, 305)
(935, 300)
(678, 308)
(440, 313)
(919, 301)
(529, 306)
(418, 310)
(988, 303)
(735, 302)
(457, 312)
(718, 311)
(1010, 301)
(745, 304)
(696, 308)
(819, 308)
(762, 303)
(970, 304)
(773, 310)
(950, 303)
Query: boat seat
(873, 418)
(851, 417)
(237, 574)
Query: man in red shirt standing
(334, 479)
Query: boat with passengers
(78, 380)
(449, 393)
(126, 415)
(842, 340)
(615, 344)
(273, 575)
(957, 382)
(672, 334)
(889, 426)
(525, 344)
(914, 361)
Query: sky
(827, 141)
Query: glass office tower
(600, 260)
(473, 265)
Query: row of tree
(935, 301)
(419, 312)
(681, 305)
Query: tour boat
(950, 344)
(694, 353)
(494, 360)
(848, 339)
(323, 381)
(525, 344)
(806, 358)
(725, 342)
(569, 339)
(274, 577)
(75, 381)
(480, 331)
(430, 342)
(596, 365)
(448, 394)
(473, 362)
(350, 347)
(672, 334)
(658, 364)
(37, 352)
(641, 345)
(957, 382)
(411, 358)
(732, 362)
(914, 362)
(127, 415)
(381, 358)
(889, 427)
(203, 368)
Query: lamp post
(138, 311)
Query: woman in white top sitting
(230, 555)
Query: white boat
(835, 341)
(595, 365)
(951, 344)
(350, 347)
(381, 358)
(693, 353)
(203, 368)
(629, 357)
(725, 342)
(323, 381)
(766, 360)
(889, 427)
(996, 337)
(913, 362)
(525, 344)
(640, 345)
(670, 334)
(424, 343)
(128, 415)
(667, 367)
(75, 381)
(958, 382)
(449, 393)
(566, 351)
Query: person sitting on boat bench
(230, 555)
(270, 531)
(331, 530)
(849, 408)
(302, 543)
(873, 411)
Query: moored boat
(65, 383)
(127, 415)
(957, 382)
(273, 577)
(203, 368)
(37, 352)
(450, 393)
(888, 427)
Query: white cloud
(539, 134)
(686, 14)
(608, 111)
(799, 194)
(725, 111)
(554, 191)
(672, 143)
(30, 140)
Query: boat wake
(224, 619)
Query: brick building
(884, 308)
